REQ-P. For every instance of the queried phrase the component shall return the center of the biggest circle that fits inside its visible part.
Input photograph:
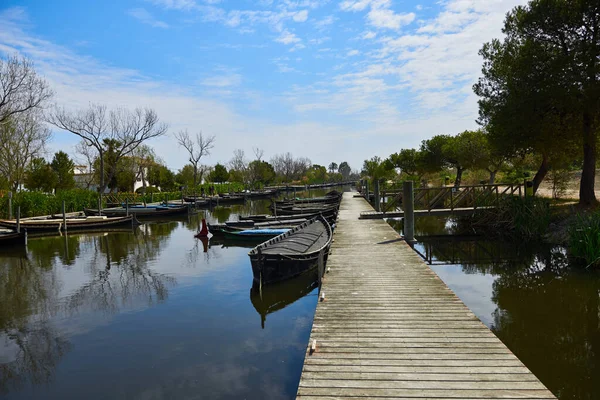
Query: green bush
(584, 238)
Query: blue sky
(329, 80)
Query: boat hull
(55, 225)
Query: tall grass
(584, 238)
(519, 218)
(37, 203)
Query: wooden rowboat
(53, 224)
(246, 234)
(11, 237)
(152, 211)
(293, 253)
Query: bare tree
(259, 153)
(21, 89)
(120, 128)
(196, 149)
(238, 165)
(23, 137)
(86, 156)
(288, 167)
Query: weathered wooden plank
(426, 393)
(443, 376)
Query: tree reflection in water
(30, 293)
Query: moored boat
(139, 211)
(53, 224)
(246, 234)
(292, 253)
(10, 237)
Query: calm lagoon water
(148, 314)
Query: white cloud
(352, 53)
(288, 37)
(369, 35)
(222, 80)
(380, 14)
(300, 16)
(386, 18)
(145, 17)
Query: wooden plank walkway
(390, 328)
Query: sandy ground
(572, 192)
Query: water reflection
(546, 311)
(272, 298)
(148, 313)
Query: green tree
(376, 168)
(185, 176)
(345, 170)
(161, 176)
(219, 174)
(40, 176)
(261, 173)
(317, 174)
(549, 63)
(63, 167)
(409, 161)
(333, 167)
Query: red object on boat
(204, 231)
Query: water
(148, 314)
(546, 311)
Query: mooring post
(18, 219)
(408, 206)
(64, 216)
(100, 204)
(377, 199)
(10, 205)
(127, 207)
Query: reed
(520, 218)
(584, 238)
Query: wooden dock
(438, 212)
(388, 327)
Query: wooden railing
(450, 197)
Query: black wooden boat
(292, 253)
(150, 211)
(228, 199)
(332, 197)
(55, 224)
(253, 235)
(275, 297)
(308, 209)
(249, 224)
(330, 215)
(9, 237)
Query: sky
(331, 80)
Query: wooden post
(127, 207)
(10, 213)
(64, 216)
(376, 195)
(367, 190)
(99, 203)
(408, 205)
(18, 219)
